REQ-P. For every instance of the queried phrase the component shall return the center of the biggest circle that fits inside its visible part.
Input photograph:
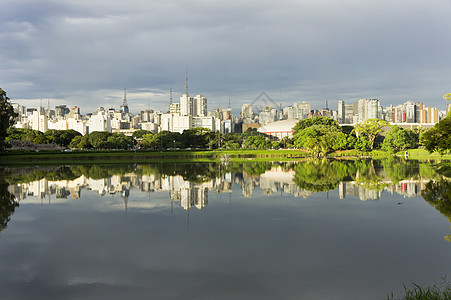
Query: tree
(370, 128)
(196, 137)
(398, 139)
(98, 139)
(438, 138)
(139, 133)
(447, 96)
(149, 141)
(320, 139)
(7, 116)
(257, 142)
(304, 123)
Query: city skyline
(84, 54)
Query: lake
(317, 229)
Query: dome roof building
(279, 129)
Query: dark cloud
(81, 52)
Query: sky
(85, 52)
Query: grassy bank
(84, 157)
(90, 157)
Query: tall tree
(398, 139)
(7, 116)
(438, 138)
(370, 128)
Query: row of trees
(318, 135)
(323, 135)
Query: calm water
(311, 230)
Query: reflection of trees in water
(438, 194)
(319, 175)
(7, 205)
(323, 175)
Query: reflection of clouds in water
(254, 248)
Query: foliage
(438, 138)
(61, 137)
(7, 116)
(302, 124)
(416, 133)
(139, 133)
(440, 291)
(370, 128)
(397, 169)
(398, 139)
(257, 142)
(196, 137)
(25, 134)
(102, 140)
(149, 141)
(319, 175)
(447, 96)
(320, 139)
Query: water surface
(308, 230)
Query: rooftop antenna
(230, 105)
(124, 103)
(327, 104)
(170, 97)
(186, 82)
(48, 104)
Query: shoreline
(146, 156)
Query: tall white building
(39, 120)
(100, 121)
(186, 105)
(200, 106)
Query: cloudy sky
(84, 52)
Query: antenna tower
(124, 103)
(186, 82)
(170, 97)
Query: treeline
(318, 136)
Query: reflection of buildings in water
(407, 188)
(195, 194)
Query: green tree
(196, 137)
(320, 139)
(304, 123)
(7, 116)
(98, 139)
(447, 96)
(370, 128)
(61, 137)
(119, 141)
(139, 133)
(257, 142)
(398, 139)
(149, 141)
(438, 138)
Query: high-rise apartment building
(200, 106)
(186, 105)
